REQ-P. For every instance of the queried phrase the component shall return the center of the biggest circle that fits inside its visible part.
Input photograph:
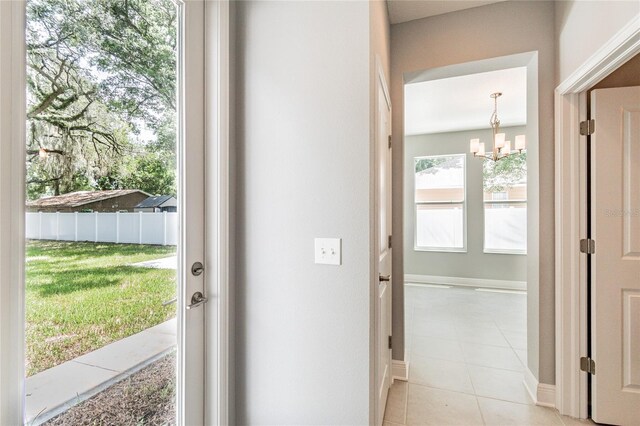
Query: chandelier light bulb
(506, 150)
(474, 145)
(481, 149)
(520, 142)
(499, 140)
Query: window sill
(440, 250)
(516, 252)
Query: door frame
(571, 210)
(215, 120)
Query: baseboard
(541, 393)
(467, 282)
(400, 370)
(546, 395)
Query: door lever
(196, 300)
(384, 278)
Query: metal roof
(155, 201)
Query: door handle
(384, 278)
(196, 300)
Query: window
(505, 205)
(440, 203)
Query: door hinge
(587, 127)
(390, 342)
(389, 141)
(588, 365)
(587, 246)
(389, 242)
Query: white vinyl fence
(133, 228)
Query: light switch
(328, 251)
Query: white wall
(302, 111)
(491, 31)
(582, 27)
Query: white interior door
(615, 287)
(383, 188)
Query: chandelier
(501, 147)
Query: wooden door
(615, 286)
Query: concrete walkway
(164, 263)
(55, 390)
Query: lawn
(82, 296)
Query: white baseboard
(400, 370)
(467, 282)
(546, 395)
(541, 393)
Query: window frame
(416, 204)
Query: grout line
(480, 410)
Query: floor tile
(483, 335)
(428, 406)
(517, 339)
(442, 374)
(430, 328)
(491, 356)
(499, 384)
(432, 347)
(522, 354)
(396, 403)
(499, 413)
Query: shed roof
(154, 201)
(80, 198)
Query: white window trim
(462, 249)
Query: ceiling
(463, 103)
(408, 10)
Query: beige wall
(465, 36)
(582, 27)
(627, 75)
(474, 262)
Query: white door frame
(570, 207)
(214, 126)
(217, 107)
(13, 109)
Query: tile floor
(467, 350)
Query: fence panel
(86, 226)
(107, 227)
(153, 228)
(66, 226)
(131, 228)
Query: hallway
(467, 352)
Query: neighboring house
(158, 203)
(90, 201)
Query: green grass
(82, 296)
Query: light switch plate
(328, 251)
